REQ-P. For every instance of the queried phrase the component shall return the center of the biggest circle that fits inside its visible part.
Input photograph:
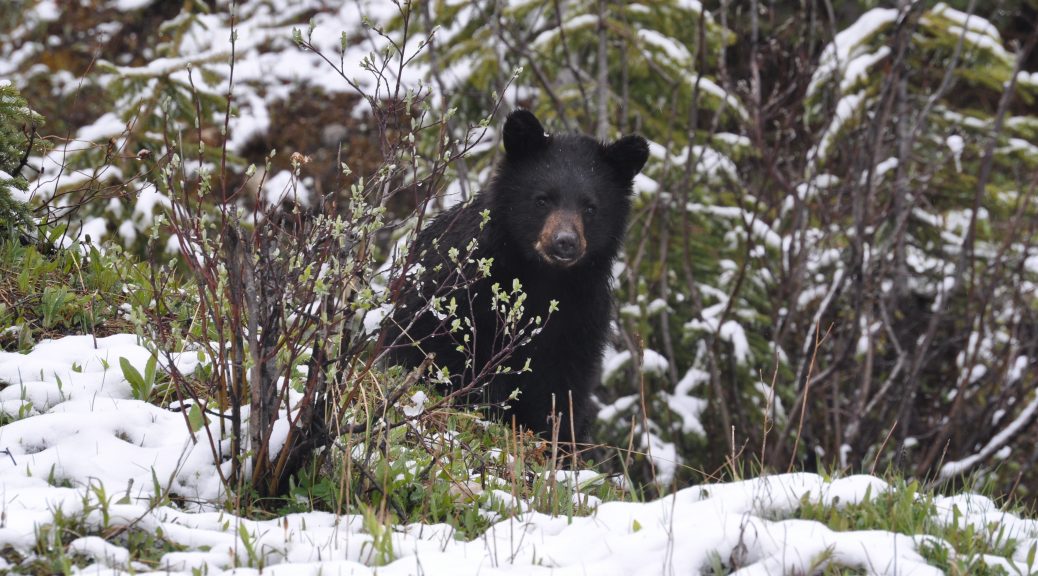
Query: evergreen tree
(18, 138)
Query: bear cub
(558, 206)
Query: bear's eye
(589, 210)
(542, 202)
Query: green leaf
(195, 418)
(133, 377)
(149, 372)
(52, 302)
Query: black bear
(558, 206)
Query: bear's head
(563, 200)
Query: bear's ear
(524, 134)
(628, 155)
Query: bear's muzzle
(561, 241)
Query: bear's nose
(564, 245)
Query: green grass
(452, 468)
(55, 292)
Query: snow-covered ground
(79, 446)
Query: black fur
(541, 179)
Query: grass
(448, 467)
(955, 547)
(60, 547)
(53, 292)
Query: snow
(148, 198)
(130, 5)
(107, 126)
(973, 29)
(707, 161)
(95, 228)
(970, 21)
(417, 404)
(1020, 145)
(880, 170)
(82, 445)
(644, 185)
(623, 404)
(1000, 440)
(836, 56)
(284, 186)
(47, 11)
(860, 66)
(102, 552)
(652, 362)
(252, 122)
(730, 331)
(688, 407)
(710, 87)
(547, 37)
(674, 50)
(956, 144)
(983, 42)
(846, 108)
(733, 140)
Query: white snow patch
(573, 24)
(982, 41)
(417, 404)
(837, 54)
(999, 441)
(860, 66)
(971, 22)
(846, 108)
(285, 186)
(674, 50)
(956, 144)
(46, 11)
(652, 362)
(645, 185)
(130, 5)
